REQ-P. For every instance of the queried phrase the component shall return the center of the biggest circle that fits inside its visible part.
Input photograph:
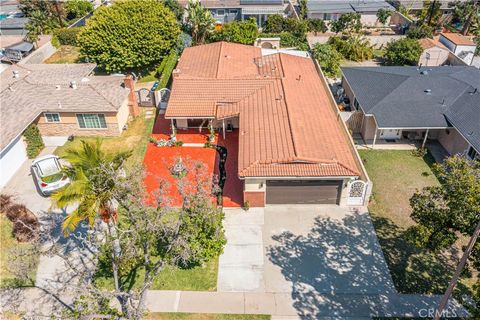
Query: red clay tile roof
(458, 39)
(287, 124)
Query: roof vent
(428, 91)
(73, 84)
(474, 91)
(424, 72)
(57, 87)
(16, 74)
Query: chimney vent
(16, 74)
(73, 84)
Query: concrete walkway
(280, 304)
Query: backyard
(396, 175)
(65, 54)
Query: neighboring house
(332, 10)
(292, 146)
(416, 6)
(434, 53)
(229, 10)
(63, 100)
(461, 46)
(436, 103)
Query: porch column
(223, 128)
(374, 138)
(425, 139)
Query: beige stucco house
(63, 100)
(434, 53)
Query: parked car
(48, 174)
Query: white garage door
(11, 159)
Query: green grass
(7, 243)
(200, 278)
(149, 76)
(135, 138)
(205, 316)
(396, 175)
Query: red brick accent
(255, 199)
(132, 96)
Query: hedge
(67, 36)
(34, 141)
(164, 70)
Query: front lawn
(7, 243)
(65, 54)
(200, 278)
(206, 316)
(135, 138)
(396, 175)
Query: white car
(48, 174)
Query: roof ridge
(219, 60)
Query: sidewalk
(282, 304)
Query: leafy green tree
(129, 34)
(77, 8)
(431, 13)
(328, 58)
(39, 23)
(317, 25)
(383, 15)
(176, 8)
(403, 52)
(90, 188)
(303, 9)
(419, 32)
(352, 47)
(274, 24)
(296, 27)
(199, 21)
(347, 23)
(244, 32)
(467, 12)
(443, 212)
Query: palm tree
(200, 21)
(39, 23)
(468, 13)
(94, 176)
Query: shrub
(77, 8)
(25, 223)
(403, 52)
(274, 24)
(420, 32)
(317, 25)
(328, 58)
(34, 141)
(353, 48)
(246, 205)
(244, 32)
(67, 36)
(166, 70)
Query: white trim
(97, 113)
(57, 113)
(300, 178)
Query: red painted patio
(158, 161)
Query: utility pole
(458, 271)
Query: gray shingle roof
(403, 97)
(46, 87)
(346, 6)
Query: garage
(12, 158)
(303, 191)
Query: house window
(220, 12)
(52, 117)
(356, 104)
(91, 121)
(235, 12)
(472, 153)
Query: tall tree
(328, 58)
(452, 208)
(129, 34)
(200, 22)
(431, 13)
(39, 23)
(92, 191)
(347, 23)
(317, 25)
(468, 13)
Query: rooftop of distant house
(458, 39)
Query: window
(356, 104)
(235, 11)
(220, 12)
(91, 121)
(472, 153)
(52, 117)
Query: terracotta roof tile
(287, 125)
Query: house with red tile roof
(293, 148)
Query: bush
(403, 52)
(328, 58)
(164, 71)
(420, 32)
(77, 8)
(34, 141)
(274, 24)
(353, 48)
(317, 25)
(244, 32)
(67, 36)
(25, 223)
